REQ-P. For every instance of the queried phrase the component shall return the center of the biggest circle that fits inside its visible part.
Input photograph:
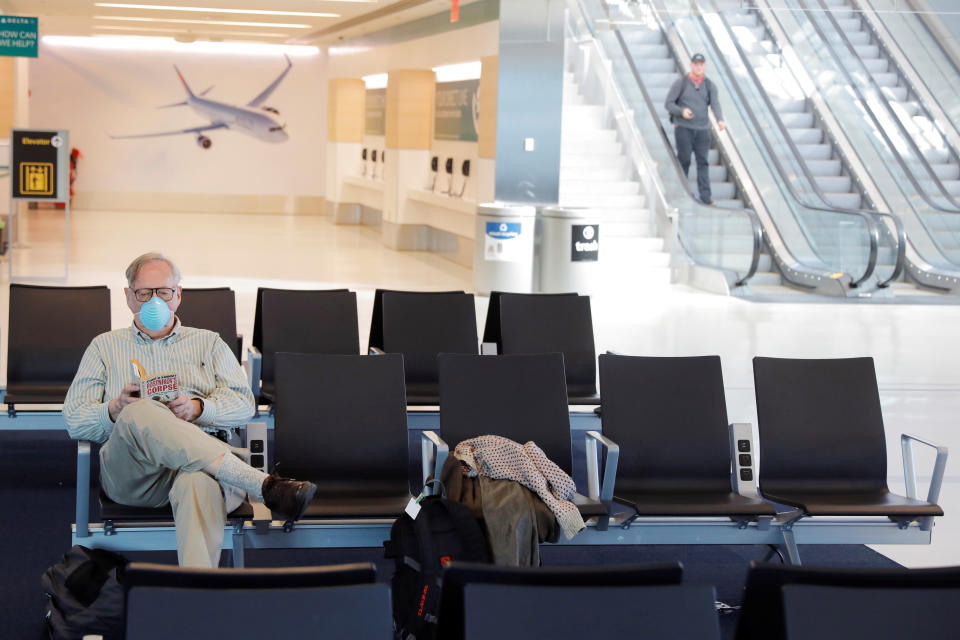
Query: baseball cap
(697, 57)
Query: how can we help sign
(18, 36)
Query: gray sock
(239, 474)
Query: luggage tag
(413, 507)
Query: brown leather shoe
(287, 497)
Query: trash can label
(502, 242)
(584, 242)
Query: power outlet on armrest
(257, 445)
(744, 460)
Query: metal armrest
(83, 488)
(910, 472)
(433, 454)
(609, 470)
(374, 351)
(488, 348)
(254, 367)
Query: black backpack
(444, 530)
(85, 595)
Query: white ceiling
(356, 17)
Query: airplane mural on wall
(253, 119)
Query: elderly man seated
(155, 453)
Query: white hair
(134, 269)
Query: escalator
(830, 250)
(904, 155)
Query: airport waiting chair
(42, 358)
(420, 326)
(375, 339)
(458, 576)
(299, 321)
(815, 612)
(520, 397)
(341, 422)
(536, 323)
(669, 417)
(340, 601)
(214, 309)
(766, 614)
(491, 327)
(822, 444)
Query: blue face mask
(154, 314)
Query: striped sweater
(204, 364)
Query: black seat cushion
(861, 503)
(110, 510)
(389, 504)
(671, 503)
(36, 393)
(822, 442)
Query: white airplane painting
(253, 119)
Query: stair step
(886, 79)
(876, 65)
(895, 93)
(835, 184)
(815, 151)
(642, 36)
(588, 135)
(583, 188)
(587, 148)
(784, 105)
(651, 51)
(655, 65)
(728, 203)
(866, 51)
(659, 79)
(946, 170)
(858, 37)
(806, 136)
(845, 200)
(824, 167)
(797, 120)
(850, 24)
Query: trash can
(569, 250)
(503, 248)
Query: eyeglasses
(165, 293)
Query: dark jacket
(685, 94)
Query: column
(344, 141)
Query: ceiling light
(375, 81)
(454, 72)
(248, 34)
(226, 23)
(150, 43)
(258, 12)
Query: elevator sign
(18, 36)
(39, 165)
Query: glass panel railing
(861, 110)
(912, 34)
(712, 236)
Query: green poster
(457, 110)
(375, 120)
(18, 36)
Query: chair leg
(793, 554)
(236, 555)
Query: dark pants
(696, 141)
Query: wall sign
(457, 110)
(584, 242)
(18, 36)
(375, 112)
(502, 242)
(40, 165)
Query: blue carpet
(37, 490)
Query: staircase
(595, 173)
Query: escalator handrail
(870, 217)
(886, 103)
(756, 227)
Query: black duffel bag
(85, 595)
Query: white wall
(94, 93)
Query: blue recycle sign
(503, 230)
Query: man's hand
(185, 408)
(721, 125)
(687, 113)
(126, 397)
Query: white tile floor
(916, 356)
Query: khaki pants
(153, 458)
